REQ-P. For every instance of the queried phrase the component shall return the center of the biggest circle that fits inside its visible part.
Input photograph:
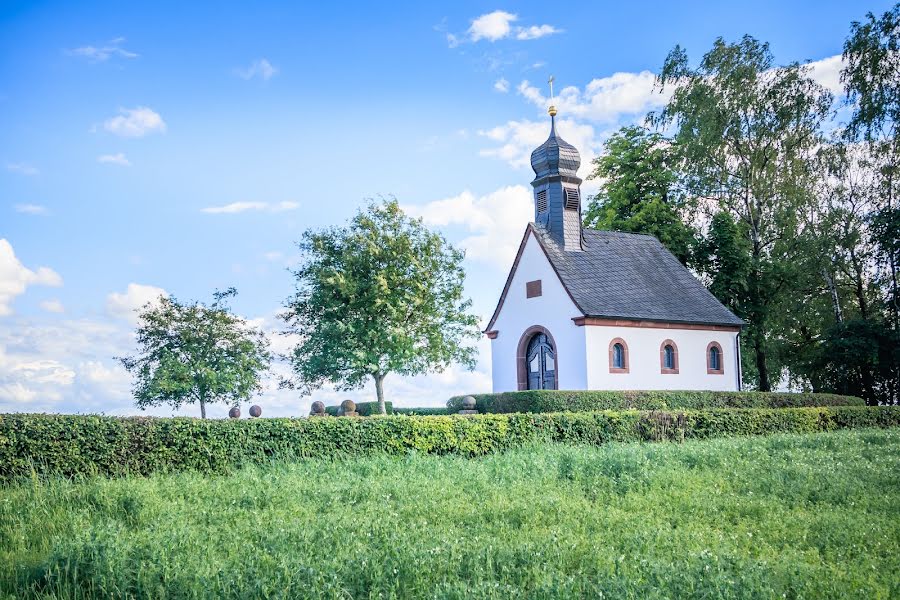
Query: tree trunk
(379, 392)
(761, 364)
(860, 285)
(835, 299)
(202, 408)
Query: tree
(638, 191)
(871, 78)
(382, 295)
(193, 353)
(745, 131)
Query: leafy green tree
(382, 295)
(871, 77)
(638, 191)
(745, 130)
(193, 353)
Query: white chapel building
(603, 310)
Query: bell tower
(557, 188)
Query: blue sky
(180, 149)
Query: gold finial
(552, 109)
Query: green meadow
(787, 516)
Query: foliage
(191, 352)
(75, 445)
(364, 409)
(858, 357)
(638, 191)
(543, 401)
(422, 411)
(871, 75)
(382, 295)
(746, 130)
(795, 516)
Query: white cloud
(103, 53)
(827, 72)
(31, 209)
(239, 207)
(498, 25)
(501, 85)
(494, 222)
(114, 159)
(15, 277)
(261, 68)
(604, 99)
(536, 31)
(126, 305)
(22, 169)
(53, 306)
(492, 26)
(135, 122)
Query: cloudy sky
(177, 149)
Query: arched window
(715, 365)
(618, 356)
(668, 357)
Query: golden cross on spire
(552, 109)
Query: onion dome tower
(557, 189)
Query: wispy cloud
(31, 209)
(536, 31)
(239, 207)
(261, 68)
(135, 122)
(114, 159)
(499, 25)
(501, 85)
(22, 169)
(104, 52)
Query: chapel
(602, 310)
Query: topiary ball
(318, 407)
(255, 410)
(235, 412)
(348, 406)
(468, 403)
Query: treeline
(783, 198)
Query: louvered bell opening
(542, 201)
(571, 199)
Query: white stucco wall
(644, 364)
(553, 310)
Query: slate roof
(633, 276)
(628, 276)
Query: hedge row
(369, 409)
(365, 409)
(542, 401)
(75, 445)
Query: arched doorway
(540, 362)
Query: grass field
(796, 516)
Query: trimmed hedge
(421, 411)
(76, 445)
(543, 401)
(365, 409)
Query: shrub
(365, 409)
(540, 401)
(73, 445)
(422, 411)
